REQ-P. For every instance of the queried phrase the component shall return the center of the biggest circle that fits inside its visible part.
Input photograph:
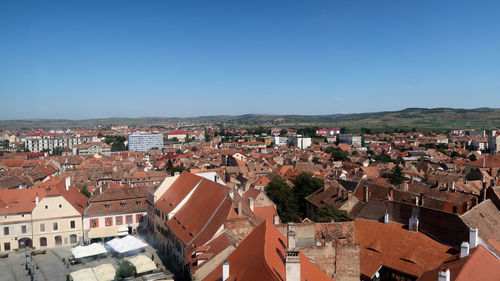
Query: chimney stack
(276, 219)
(225, 270)
(367, 193)
(68, 183)
(290, 234)
(464, 250)
(444, 275)
(36, 200)
(452, 186)
(413, 225)
(231, 193)
(473, 238)
(405, 186)
(386, 217)
(349, 195)
(240, 207)
(251, 202)
(292, 256)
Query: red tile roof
(478, 265)
(261, 256)
(393, 246)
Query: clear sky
(89, 59)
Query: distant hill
(419, 118)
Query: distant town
(218, 202)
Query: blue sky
(89, 59)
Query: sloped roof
(179, 189)
(261, 256)
(393, 246)
(486, 218)
(478, 265)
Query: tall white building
(144, 142)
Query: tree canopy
(305, 184)
(396, 177)
(282, 195)
(328, 213)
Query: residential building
(350, 140)
(91, 148)
(41, 217)
(299, 141)
(494, 142)
(115, 212)
(327, 132)
(144, 142)
(39, 142)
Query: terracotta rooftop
(261, 256)
(393, 246)
(478, 265)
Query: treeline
(291, 203)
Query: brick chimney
(444, 275)
(225, 270)
(464, 250)
(292, 256)
(473, 238)
(366, 193)
(276, 219)
(413, 223)
(251, 202)
(68, 183)
(240, 208)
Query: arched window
(43, 242)
(72, 239)
(58, 240)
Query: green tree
(85, 191)
(283, 132)
(315, 160)
(282, 195)
(305, 184)
(337, 153)
(472, 157)
(396, 177)
(328, 213)
(126, 269)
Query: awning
(104, 272)
(93, 249)
(126, 244)
(142, 263)
(85, 274)
(101, 232)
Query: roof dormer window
(107, 206)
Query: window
(139, 218)
(55, 226)
(72, 224)
(119, 220)
(42, 227)
(6, 246)
(138, 203)
(122, 204)
(6, 231)
(73, 239)
(108, 221)
(129, 219)
(94, 223)
(107, 206)
(58, 240)
(43, 241)
(23, 229)
(46, 206)
(60, 206)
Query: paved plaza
(50, 266)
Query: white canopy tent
(126, 244)
(142, 263)
(104, 272)
(93, 249)
(85, 274)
